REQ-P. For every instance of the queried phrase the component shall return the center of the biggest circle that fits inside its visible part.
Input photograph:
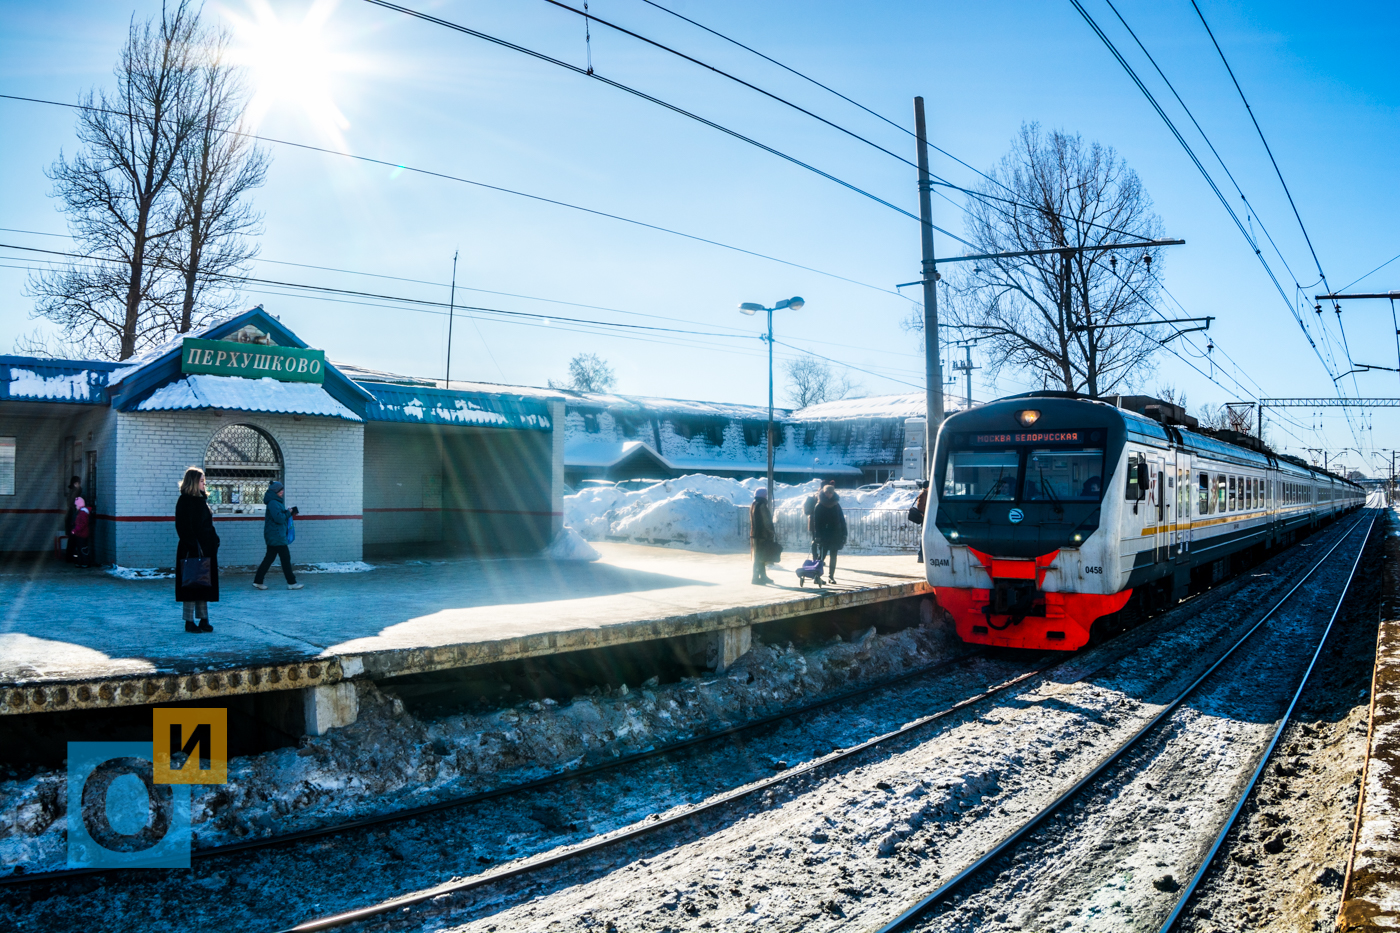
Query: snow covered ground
(708, 513)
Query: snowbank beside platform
(703, 512)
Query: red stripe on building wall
(229, 518)
(473, 511)
(32, 512)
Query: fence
(884, 529)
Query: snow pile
(703, 512)
(338, 566)
(139, 573)
(569, 545)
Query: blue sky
(1322, 83)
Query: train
(1055, 520)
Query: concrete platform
(73, 639)
(1371, 895)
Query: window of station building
(239, 464)
(590, 422)
(1060, 475)
(1203, 495)
(809, 437)
(7, 466)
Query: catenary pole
(933, 366)
(451, 307)
(770, 407)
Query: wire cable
(522, 194)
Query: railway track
(918, 914)
(659, 822)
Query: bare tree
(1169, 393)
(588, 372)
(1051, 316)
(115, 191)
(218, 166)
(811, 381)
(1228, 417)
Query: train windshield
(1064, 475)
(981, 474)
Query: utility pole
(451, 308)
(933, 366)
(965, 366)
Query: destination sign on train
(1030, 437)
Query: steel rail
(397, 816)
(1200, 874)
(1020, 832)
(655, 821)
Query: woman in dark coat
(761, 535)
(829, 528)
(194, 523)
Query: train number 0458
(1093, 570)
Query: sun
(290, 65)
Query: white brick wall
(323, 468)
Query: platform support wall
(329, 707)
(731, 644)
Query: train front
(1021, 543)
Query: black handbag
(772, 551)
(197, 571)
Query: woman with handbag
(197, 557)
(762, 536)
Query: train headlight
(1028, 417)
(1078, 538)
(953, 535)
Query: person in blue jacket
(275, 523)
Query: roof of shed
(426, 405)
(239, 394)
(81, 382)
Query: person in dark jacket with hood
(829, 529)
(194, 523)
(275, 522)
(762, 535)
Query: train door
(1184, 491)
(1161, 502)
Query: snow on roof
(239, 394)
(911, 405)
(370, 377)
(427, 405)
(605, 453)
(80, 381)
(650, 404)
(134, 364)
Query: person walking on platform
(829, 529)
(197, 556)
(276, 523)
(75, 489)
(762, 536)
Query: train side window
(1253, 497)
(1203, 506)
(1138, 480)
(1230, 501)
(1247, 492)
(1219, 505)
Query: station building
(847, 442)
(378, 465)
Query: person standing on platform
(829, 529)
(75, 489)
(275, 523)
(81, 535)
(808, 506)
(194, 523)
(762, 536)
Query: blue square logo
(118, 817)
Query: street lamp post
(750, 307)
